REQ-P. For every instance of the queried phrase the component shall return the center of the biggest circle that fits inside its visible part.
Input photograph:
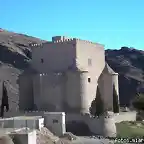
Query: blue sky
(114, 23)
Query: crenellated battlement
(35, 111)
(35, 45)
(89, 43)
(63, 40)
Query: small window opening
(55, 121)
(89, 62)
(42, 60)
(89, 80)
(74, 45)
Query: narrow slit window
(89, 62)
(89, 80)
(55, 121)
(74, 45)
(42, 60)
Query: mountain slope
(128, 62)
(14, 48)
(15, 55)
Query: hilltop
(15, 55)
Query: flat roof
(22, 118)
(14, 131)
(55, 113)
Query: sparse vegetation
(138, 102)
(130, 129)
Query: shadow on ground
(78, 128)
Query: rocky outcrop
(15, 55)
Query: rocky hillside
(128, 62)
(15, 55)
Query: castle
(64, 75)
(58, 88)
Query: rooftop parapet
(35, 111)
(35, 45)
(89, 42)
(62, 39)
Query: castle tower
(77, 92)
(106, 81)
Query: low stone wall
(122, 116)
(17, 113)
(95, 124)
(18, 122)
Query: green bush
(97, 106)
(92, 109)
(99, 103)
(138, 102)
(115, 101)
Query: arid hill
(15, 55)
(128, 62)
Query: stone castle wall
(95, 124)
(49, 91)
(69, 69)
(69, 92)
(65, 55)
(62, 92)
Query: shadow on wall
(69, 109)
(45, 107)
(48, 106)
(78, 128)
